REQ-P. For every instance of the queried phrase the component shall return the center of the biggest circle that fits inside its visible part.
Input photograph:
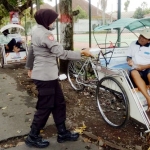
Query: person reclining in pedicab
(11, 45)
(138, 57)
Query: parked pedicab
(13, 57)
(117, 98)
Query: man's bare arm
(142, 67)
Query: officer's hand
(29, 73)
(86, 52)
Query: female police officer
(43, 69)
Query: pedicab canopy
(8, 26)
(128, 23)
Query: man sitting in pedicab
(138, 57)
(11, 45)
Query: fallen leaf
(28, 113)
(18, 131)
(29, 120)
(4, 108)
(86, 140)
(41, 131)
(80, 129)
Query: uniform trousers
(50, 100)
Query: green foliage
(146, 11)
(81, 15)
(3, 11)
(139, 13)
(14, 3)
(144, 5)
(27, 21)
(126, 5)
(22, 6)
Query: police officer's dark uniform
(42, 61)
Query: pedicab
(13, 57)
(117, 97)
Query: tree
(144, 5)
(144, 8)
(103, 5)
(16, 5)
(139, 13)
(146, 11)
(82, 13)
(126, 5)
(13, 5)
(66, 33)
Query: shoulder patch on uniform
(51, 37)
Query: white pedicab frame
(12, 57)
(136, 101)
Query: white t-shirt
(140, 54)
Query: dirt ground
(82, 111)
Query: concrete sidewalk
(16, 113)
(77, 145)
(16, 108)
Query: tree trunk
(103, 16)
(66, 27)
(103, 7)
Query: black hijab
(45, 17)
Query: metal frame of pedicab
(136, 108)
(9, 58)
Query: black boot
(34, 139)
(65, 135)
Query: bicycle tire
(1, 61)
(112, 102)
(73, 74)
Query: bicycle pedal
(86, 82)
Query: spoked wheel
(75, 74)
(112, 102)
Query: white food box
(95, 51)
(62, 77)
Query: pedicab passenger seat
(18, 38)
(119, 68)
(137, 101)
(12, 57)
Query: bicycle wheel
(74, 74)
(1, 60)
(112, 102)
